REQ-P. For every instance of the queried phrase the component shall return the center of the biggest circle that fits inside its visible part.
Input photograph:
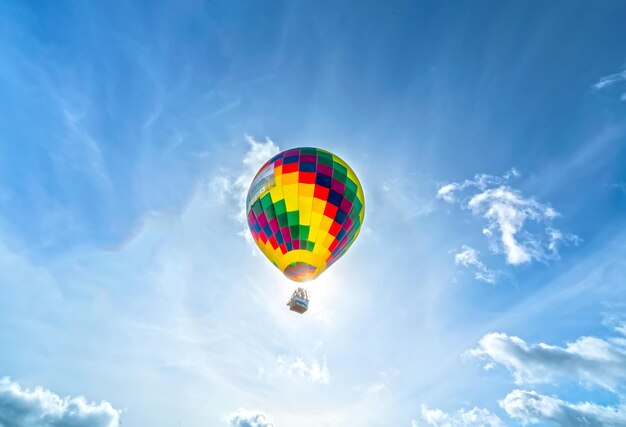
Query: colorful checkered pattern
(305, 208)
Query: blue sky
(486, 287)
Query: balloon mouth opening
(301, 271)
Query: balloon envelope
(305, 208)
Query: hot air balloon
(305, 208)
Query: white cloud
(315, 372)
(379, 386)
(285, 366)
(258, 153)
(447, 192)
(610, 80)
(530, 407)
(244, 418)
(468, 257)
(588, 360)
(21, 407)
(237, 186)
(507, 212)
(475, 417)
(480, 181)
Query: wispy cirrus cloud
(21, 407)
(588, 360)
(620, 186)
(401, 194)
(611, 80)
(244, 418)
(530, 407)
(507, 213)
(468, 257)
(475, 417)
